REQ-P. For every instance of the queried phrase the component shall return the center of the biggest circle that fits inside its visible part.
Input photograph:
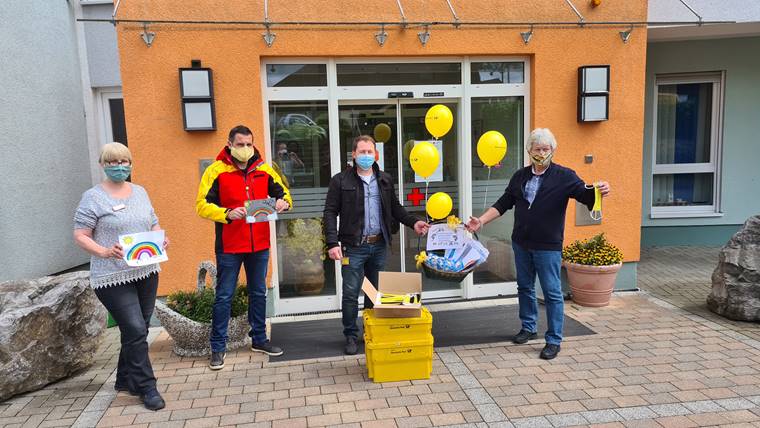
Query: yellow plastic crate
(381, 330)
(396, 361)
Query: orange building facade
(323, 81)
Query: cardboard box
(395, 283)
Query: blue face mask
(118, 173)
(365, 161)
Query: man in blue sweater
(539, 193)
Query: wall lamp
(593, 93)
(527, 35)
(625, 35)
(197, 92)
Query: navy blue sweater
(541, 225)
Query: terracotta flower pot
(591, 285)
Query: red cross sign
(415, 197)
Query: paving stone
(635, 413)
(601, 416)
(669, 409)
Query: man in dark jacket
(539, 194)
(370, 213)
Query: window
(497, 72)
(390, 74)
(687, 134)
(296, 75)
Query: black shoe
(267, 348)
(351, 347)
(152, 400)
(549, 352)
(122, 388)
(217, 360)
(523, 337)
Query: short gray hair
(542, 136)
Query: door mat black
(324, 338)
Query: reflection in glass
(503, 114)
(296, 75)
(413, 128)
(676, 190)
(684, 123)
(497, 72)
(373, 120)
(301, 155)
(386, 74)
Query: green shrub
(198, 306)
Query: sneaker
(351, 347)
(152, 400)
(523, 337)
(217, 360)
(549, 352)
(267, 348)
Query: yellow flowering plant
(595, 251)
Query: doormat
(324, 338)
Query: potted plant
(592, 266)
(305, 252)
(186, 316)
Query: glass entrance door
(406, 122)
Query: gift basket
(450, 254)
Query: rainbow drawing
(262, 213)
(144, 251)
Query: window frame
(717, 79)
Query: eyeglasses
(124, 162)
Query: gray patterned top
(107, 219)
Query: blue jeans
(227, 272)
(364, 260)
(131, 306)
(547, 264)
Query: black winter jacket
(541, 225)
(345, 198)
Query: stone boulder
(50, 328)
(736, 281)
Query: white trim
(103, 96)
(335, 96)
(684, 214)
(717, 79)
(88, 98)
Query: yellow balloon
(408, 146)
(424, 159)
(382, 133)
(492, 146)
(439, 205)
(438, 120)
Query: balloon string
(485, 198)
(427, 218)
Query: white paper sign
(260, 210)
(438, 174)
(381, 155)
(441, 237)
(144, 248)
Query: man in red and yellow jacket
(239, 175)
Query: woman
(109, 209)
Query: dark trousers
(227, 272)
(366, 260)
(131, 305)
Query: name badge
(118, 207)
